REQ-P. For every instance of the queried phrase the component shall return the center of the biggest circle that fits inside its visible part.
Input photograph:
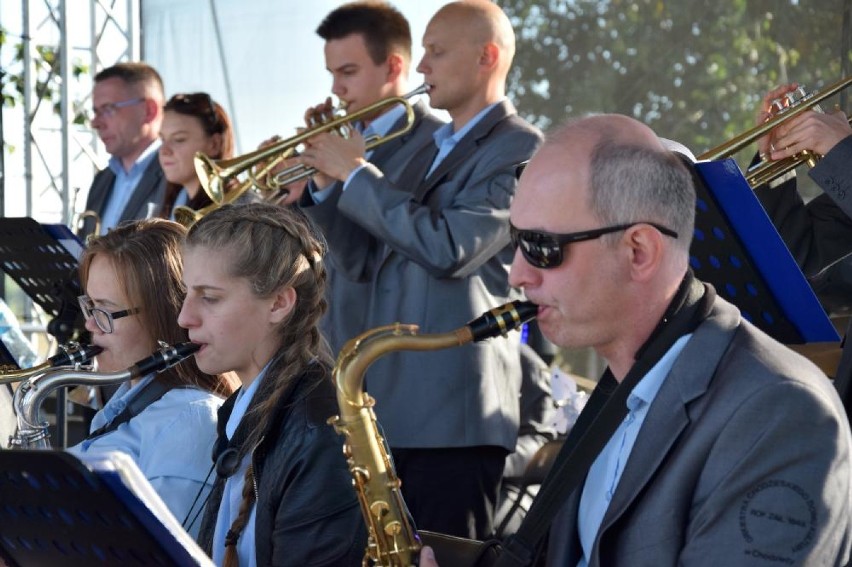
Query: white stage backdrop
(270, 67)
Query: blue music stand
(738, 250)
(54, 510)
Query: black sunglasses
(544, 249)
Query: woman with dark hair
(166, 422)
(255, 281)
(192, 123)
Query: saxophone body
(31, 394)
(393, 539)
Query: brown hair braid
(231, 558)
(272, 247)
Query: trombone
(215, 175)
(767, 170)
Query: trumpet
(215, 175)
(766, 170)
(72, 354)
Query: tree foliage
(46, 78)
(694, 71)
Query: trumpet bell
(216, 176)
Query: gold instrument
(766, 170)
(31, 394)
(81, 222)
(215, 175)
(393, 540)
(71, 354)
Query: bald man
(435, 251)
(733, 450)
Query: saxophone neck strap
(149, 394)
(605, 410)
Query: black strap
(152, 392)
(605, 410)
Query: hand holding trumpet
(812, 131)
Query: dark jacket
(307, 510)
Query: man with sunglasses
(718, 445)
(127, 111)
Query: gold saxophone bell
(766, 170)
(216, 175)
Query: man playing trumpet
(431, 241)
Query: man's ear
(152, 109)
(396, 64)
(646, 251)
(489, 55)
(283, 305)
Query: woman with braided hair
(255, 284)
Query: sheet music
(114, 465)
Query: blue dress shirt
(232, 496)
(171, 441)
(446, 139)
(606, 470)
(125, 184)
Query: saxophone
(392, 539)
(72, 354)
(31, 394)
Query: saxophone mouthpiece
(164, 358)
(74, 353)
(501, 320)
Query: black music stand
(57, 510)
(38, 259)
(738, 250)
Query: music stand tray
(738, 250)
(58, 510)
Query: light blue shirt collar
(446, 139)
(141, 162)
(605, 473)
(232, 495)
(382, 125)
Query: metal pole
(28, 108)
(228, 90)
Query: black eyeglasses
(109, 109)
(544, 249)
(103, 319)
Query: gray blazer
(144, 203)
(438, 256)
(349, 298)
(744, 459)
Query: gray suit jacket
(744, 459)
(348, 299)
(819, 233)
(145, 202)
(438, 256)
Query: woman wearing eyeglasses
(192, 123)
(165, 422)
(255, 282)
